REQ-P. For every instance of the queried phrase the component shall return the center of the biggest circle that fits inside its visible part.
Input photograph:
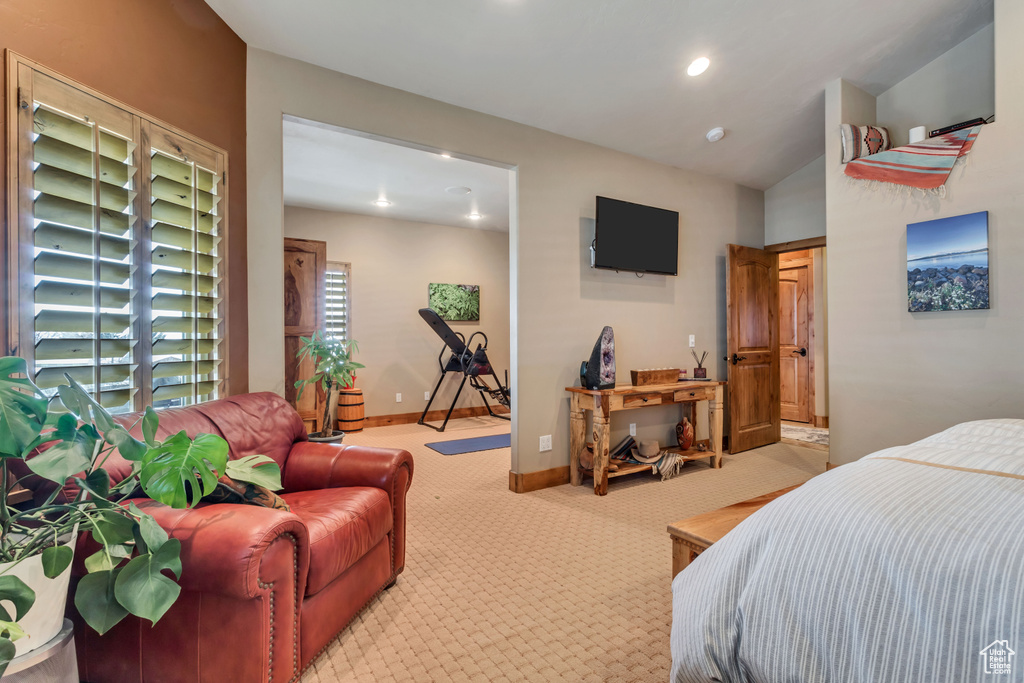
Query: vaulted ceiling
(613, 72)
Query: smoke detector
(716, 134)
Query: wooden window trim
(14, 242)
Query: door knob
(802, 352)
(735, 358)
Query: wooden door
(752, 295)
(305, 265)
(796, 312)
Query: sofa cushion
(343, 524)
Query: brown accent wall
(175, 60)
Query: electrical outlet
(693, 340)
(398, 398)
(632, 428)
(426, 395)
(545, 443)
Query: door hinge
(224, 177)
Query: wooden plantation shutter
(187, 196)
(336, 301)
(77, 227)
(114, 236)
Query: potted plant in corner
(66, 438)
(334, 369)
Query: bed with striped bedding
(903, 566)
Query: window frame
(334, 266)
(16, 248)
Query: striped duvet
(907, 565)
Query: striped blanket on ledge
(925, 165)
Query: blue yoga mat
(480, 443)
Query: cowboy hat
(647, 452)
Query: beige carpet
(555, 585)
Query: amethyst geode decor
(599, 372)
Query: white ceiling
(612, 72)
(330, 169)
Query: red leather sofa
(263, 591)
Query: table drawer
(698, 394)
(637, 400)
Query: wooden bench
(694, 535)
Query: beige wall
(820, 331)
(896, 376)
(794, 208)
(958, 86)
(559, 304)
(392, 263)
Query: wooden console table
(603, 402)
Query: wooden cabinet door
(795, 314)
(752, 295)
(305, 265)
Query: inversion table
(472, 365)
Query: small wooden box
(643, 378)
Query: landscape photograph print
(455, 302)
(947, 264)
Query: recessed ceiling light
(698, 66)
(382, 203)
(474, 216)
(446, 155)
(458, 189)
(715, 134)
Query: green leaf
(182, 470)
(17, 592)
(127, 445)
(22, 407)
(152, 533)
(96, 600)
(67, 427)
(143, 590)
(150, 422)
(11, 630)
(97, 483)
(256, 469)
(56, 559)
(66, 458)
(7, 653)
(87, 407)
(107, 558)
(112, 526)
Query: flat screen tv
(636, 238)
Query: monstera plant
(68, 437)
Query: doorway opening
(803, 347)
(377, 229)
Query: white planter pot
(46, 617)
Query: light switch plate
(632, 428)
(693, 340)
(398, 398)
(426, 395)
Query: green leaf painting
(455, 302)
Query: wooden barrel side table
(350, 410)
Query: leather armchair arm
(225, 549)
(243, 578)
(313, 466)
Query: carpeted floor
(554, 585)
